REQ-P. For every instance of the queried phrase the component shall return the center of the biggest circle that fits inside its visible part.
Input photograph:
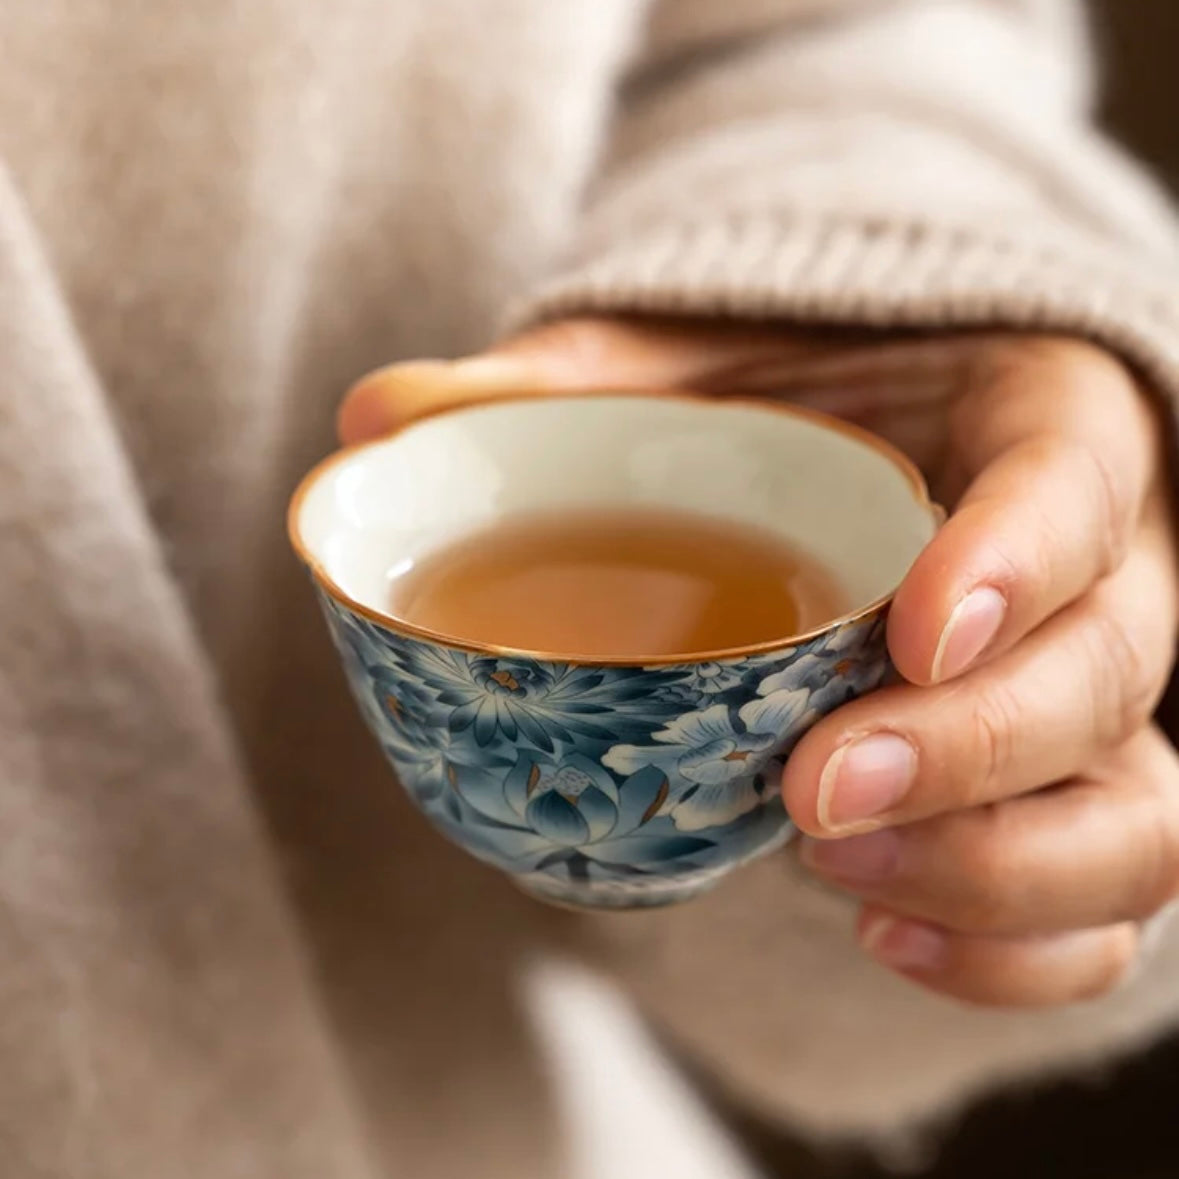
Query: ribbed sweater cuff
(877, 274)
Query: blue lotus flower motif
(568, 814)
(719, 757)
(572, 802)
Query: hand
(1009, 816)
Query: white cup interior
(837, 494)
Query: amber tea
(618, 584)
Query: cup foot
(616, 894)
(640, 892)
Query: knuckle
(995, 404)
(991, 878)
(1127, 680)
(1085, 381)
(1082, 466)
(1111, 507)
(1033, 568)
(578, 342)
(980, 423)
(1069, 363)
(994, 723)
(1018, 358)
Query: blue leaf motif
(487, 719)
(652, 849)
(532, 728)
(464, 716)
(519, 784)
(513, 849)
(487, 798)
(641, 797)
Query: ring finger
(1003, 972)
(1098, 851)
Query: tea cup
(629, 782)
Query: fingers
(1077, 687)
(1003, 972)
(567, 355)
(1061, 452)
(1099, 851)
(1037, 901)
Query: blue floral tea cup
(623, 783)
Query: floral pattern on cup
(600, 785)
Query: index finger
(1060, 448)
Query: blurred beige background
(1140, 41)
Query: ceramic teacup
(619, 783)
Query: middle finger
(1098, 851)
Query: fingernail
(864, 779)
(904, 945)
(860, 859)
(973, 625)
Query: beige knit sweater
(229, 948)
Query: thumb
(567, 355)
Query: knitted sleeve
(924, 163)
